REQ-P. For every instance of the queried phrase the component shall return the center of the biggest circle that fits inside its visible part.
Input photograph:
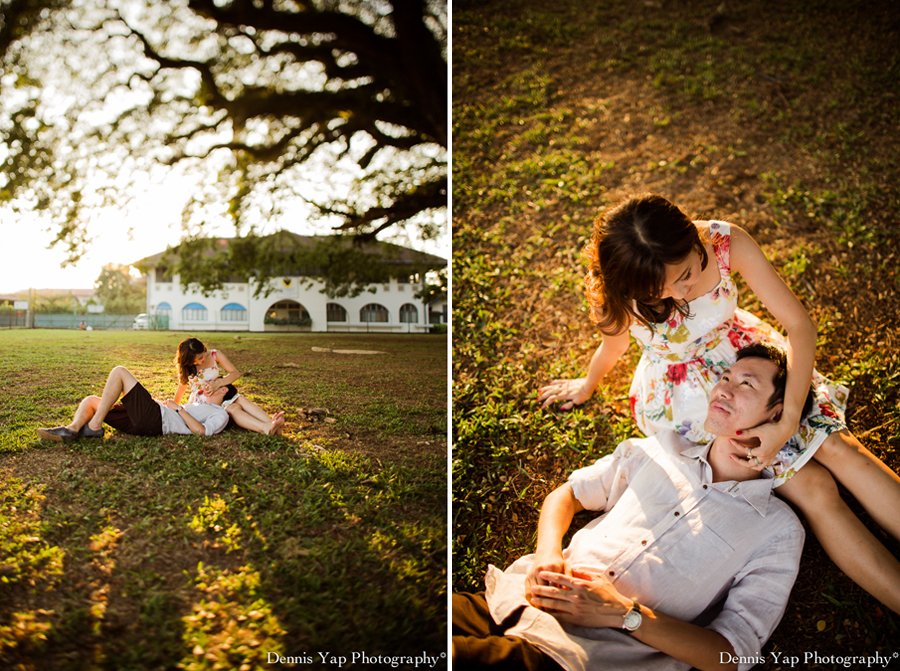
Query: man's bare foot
(277, 424)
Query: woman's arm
(231, 373)
(578, 391)
(180, 392)
(750, 261)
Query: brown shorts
(137, 414)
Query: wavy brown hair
(188, 350)
(627, 255)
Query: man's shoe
(88, 432)
(59, 434)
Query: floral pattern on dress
(202, 377)
(684, 358)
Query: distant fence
(97, 322)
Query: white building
(297, 302)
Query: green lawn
(779, 117)
(212, 553)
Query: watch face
(632, 620)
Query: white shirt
(214, 418)
(676, 542)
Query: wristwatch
(178, 410)
(633, 617)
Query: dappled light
(730, 111)
(205, 553)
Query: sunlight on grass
(202, 553)
(231, 627)
(29, 563)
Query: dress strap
(720, 237)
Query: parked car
(141, 322)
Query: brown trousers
(480, 643)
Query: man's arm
(590, 600)
(195, 426)
(559, 508)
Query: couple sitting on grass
(691, 564)
(213, 401)
(668, 281)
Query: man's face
(218, 396)
(738, 402)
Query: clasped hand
(564, 390)
(551, 562)
(583, 599)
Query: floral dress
(198, 395)
(684, 358)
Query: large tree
(339, 103)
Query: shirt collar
(756, 492)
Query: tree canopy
(341, 105)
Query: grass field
(781, 118)
(211, 553)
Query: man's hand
(584, 599)
(551, 563)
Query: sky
(29, 262)
(154, 220)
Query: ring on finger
(756, 460)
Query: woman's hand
(553, 563)
(572, 391)
(762, 443)
(212, 385)
(584, 599)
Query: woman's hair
(627, 255)
(188, 350)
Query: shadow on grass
(155, 553)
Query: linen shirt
(723, 555)
(214, 418)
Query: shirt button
(705, 486)
(643, 542)
(612, 573)
(677, 513)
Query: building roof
(287, 242)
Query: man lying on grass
(691, 565)
(139, 413)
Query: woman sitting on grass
(656, 275)
(198, 370)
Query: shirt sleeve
(215, 423)
(599, 486)
(758, 597)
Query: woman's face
(682, 276)
(202, 360)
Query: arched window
(164, 310)
(373, 312)
(287, 312)
(194, 312)
(409, 314)
(335, 313)
(234, 312)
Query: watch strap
(632, 622)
